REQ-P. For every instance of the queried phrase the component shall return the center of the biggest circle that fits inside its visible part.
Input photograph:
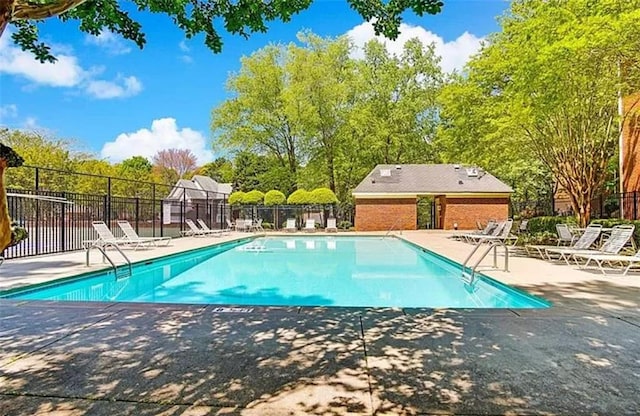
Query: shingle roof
(197, 188)
(429, 179)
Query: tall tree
(180, 161)
(220, 170)
(194, 17)
(555, 72)
(262, 115)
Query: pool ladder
(120, 272)
(469, 277)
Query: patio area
(578, 357)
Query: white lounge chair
(495, 231)
(194, 231)
(331, 225)
(256, 226)
(131, 235)
(610, 259)
(310, 226)
(205, 227)
(620, 236)
(503, 235)
(230, 225)
(586, 240)
(105, 236)
(491, 224)
(291, 225)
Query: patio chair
(194, 231)
(610, 259)
(504, 234)
(203, 225)
(491, 224)
(496, 229)
(331, 225)
(310, 226)
(243, 225)
(132, 236)
(620, 236)
(256, 226)
(230, 225)
(106, 236)
(586, 240)
(291, 225)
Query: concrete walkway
(580, 357)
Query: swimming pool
(296, 271)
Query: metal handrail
(493, 245)
(393, 226)
(102, 250)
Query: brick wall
(382, 214)
(631, 145)
(466, 211)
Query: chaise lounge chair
(586, 240)
(194, 231)
(205, 227)
(620, 236)
(291, 225)
(131, 235)
(331, 225)
(105, 236)
(504, 234)
(565, 238)
(486, 231)
(310, 226)
(599, 259)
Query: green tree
(254, 197)
(236, 198)
(323, 196)
(220, 170)
(274, 197)
(191, 16)
(555, 72)
(9, 233)
(300, 197)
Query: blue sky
(116, 100)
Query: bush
(253, 198)
(267, 226)
(299, 197)
(541, 224)
(274, 197)
(236, 198)
(323, 196)
(541, 238)
(344, 225)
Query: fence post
(137, 214)
(37, 179)
(153, 209)
(635, 205)
(63, 226)
(183, 209)
(107, 212)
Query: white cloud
(454, 53)
(8, 111)
(66, 72)
(183, 46)
(164, 134)
(110, 42)
(121, 87)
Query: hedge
(548, 224)
(274, 197)
(236, 198)
(299, 197)
(323, 196)
(253, 198)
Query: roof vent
(472, 172)
(385, 172)
(456, 167)
(398, 167)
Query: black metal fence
(62, 225)
(618, 205)
(275, 217)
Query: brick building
(630, 146)
(387, 197)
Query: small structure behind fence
(56, 227)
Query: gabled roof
(198, 187)
(430, 180)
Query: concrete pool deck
(579, 357)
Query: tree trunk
(6, 11)
(5, 221)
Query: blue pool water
(297, 271)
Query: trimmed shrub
(267, 226)
(274, 197)
(323, 196)
(300, 197)
(253, 198)
(541, 224)
(344, 225)
(541, 238)
(236, 198)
